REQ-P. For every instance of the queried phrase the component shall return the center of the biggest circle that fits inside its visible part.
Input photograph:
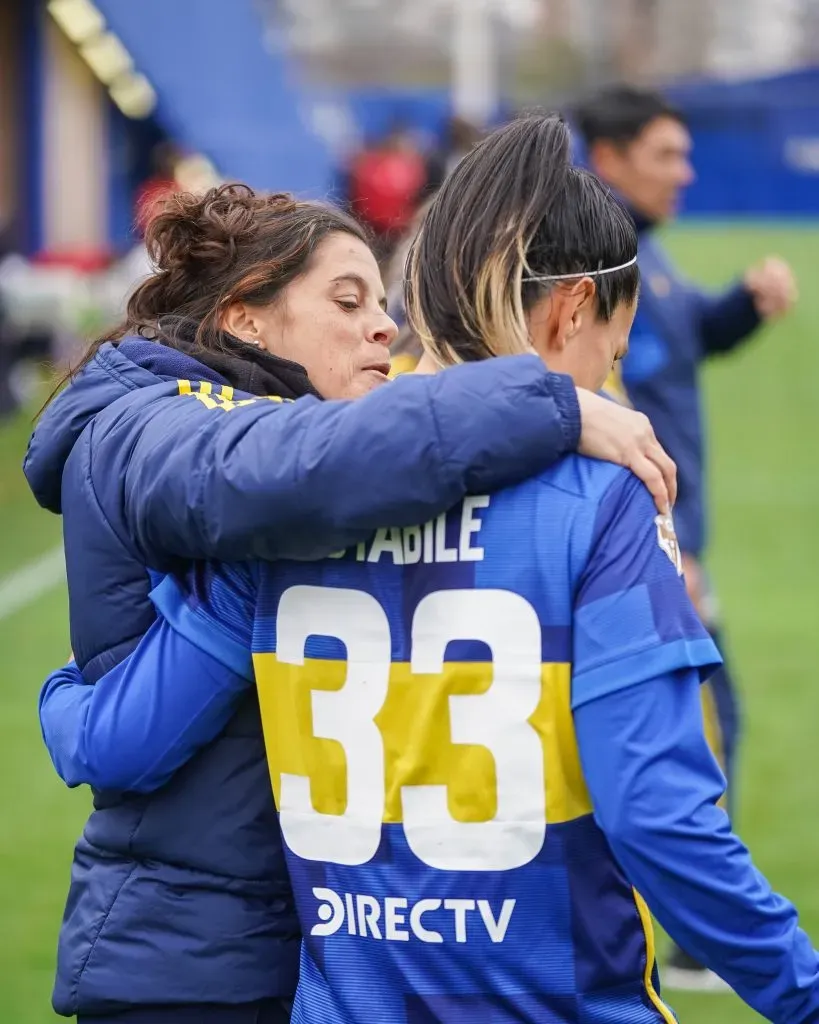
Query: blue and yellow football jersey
(417, 695)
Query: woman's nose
(385, 331)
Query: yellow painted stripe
(227, 392)
(184, 387)
(651, 956)
(205, 387)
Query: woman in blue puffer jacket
(168, 449)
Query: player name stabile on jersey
(432, 542)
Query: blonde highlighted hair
(514, 208)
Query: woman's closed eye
(350, 304)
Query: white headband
(582, 273)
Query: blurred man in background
(639, 144)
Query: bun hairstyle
(229, 244)
(514, 208)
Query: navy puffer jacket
(153, 458)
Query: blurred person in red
(162, 183)
(459, 139)
(386, 183)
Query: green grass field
(765, 471)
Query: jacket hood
(114, 371)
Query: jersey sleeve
(633, 620)
(143, 720)
(213, 606)
(655, 786)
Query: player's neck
(427, 364)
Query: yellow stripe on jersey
(614, 386)
(651, 959)
(415, 726)
(184, 387)
(713, 732)
(404, 363)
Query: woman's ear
(579, 306)
(555, 320)
(239, 320)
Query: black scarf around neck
(246, 367)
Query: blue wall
(31, 123)
(745, 136)
(222, 91)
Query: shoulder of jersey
(581, 477)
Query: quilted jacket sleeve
(302, 480)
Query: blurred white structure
(656, 39)
(474, 61)
(649, 40)
(382, 38)
(323, 24)
(757, 36)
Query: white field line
(23, 586)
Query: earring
(253, 341)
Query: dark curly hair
(228, 245)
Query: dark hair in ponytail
(230, 244)
(515, 207)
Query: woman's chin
(367, 381)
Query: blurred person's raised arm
(767, 291)
(726, 320)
